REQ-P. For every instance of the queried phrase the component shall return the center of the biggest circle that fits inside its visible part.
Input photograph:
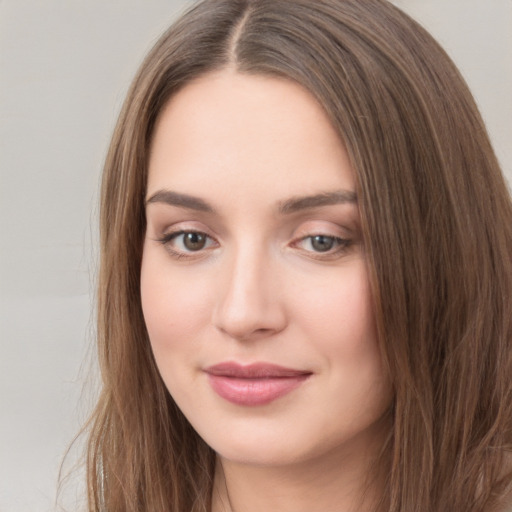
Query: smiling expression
(254, 283)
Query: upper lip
(253, 371)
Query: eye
(323, 244)
(193, 241)
(182, 243)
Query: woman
(305, 284)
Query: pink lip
(254, 384)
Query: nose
(249, 303)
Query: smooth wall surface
(64, 69)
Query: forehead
(247, 132)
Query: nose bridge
(248, 304)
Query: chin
(262, 443)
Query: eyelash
(341, 245)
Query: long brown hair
(437, 228)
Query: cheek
(337, 317)
(175, 304)
(337, 311)
(176, 310)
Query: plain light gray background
(65, 66)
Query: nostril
(252, 324)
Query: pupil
(322, 243)
(194, 241)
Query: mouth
(254, 384)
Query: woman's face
(254, 283)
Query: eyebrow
(296, 204)
(182, 200)
(289, 206)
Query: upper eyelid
(182, 227)
(299, 233)
(333, 229)
(177, 232)
(311, 227)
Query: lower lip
(254, 391)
